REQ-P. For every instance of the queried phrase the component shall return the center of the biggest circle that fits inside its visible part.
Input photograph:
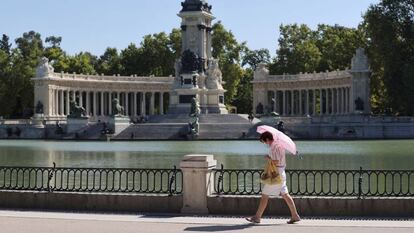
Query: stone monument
(77, 118)
(38, 117)
(360, 96)
(197, 73)
(118, 121)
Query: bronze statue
(39, 107)
(76, 111)
(117, 109)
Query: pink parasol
(280, 138)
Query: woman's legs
(262, 206)
(293, 212)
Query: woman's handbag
(270, 174)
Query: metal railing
(351, 183)
(122, 180)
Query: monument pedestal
(119, 123)
(75, 124)
(37, 120)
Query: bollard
(198, 182)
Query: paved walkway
(57, 222)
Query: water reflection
(390, 154)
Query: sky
(94, 25)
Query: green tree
(130, 60)
(57, 57)
(175, 42)
(82, 63)
(337, 45)
(5, 45)
(253, 57)
(298, 51)
(390, 28)
(109, 63)
(5, 69)
(23, 60)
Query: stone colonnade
(99, 103)
(316, 94)
(323, 101)
(139, 96)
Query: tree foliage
(304, 50)
(389, 26)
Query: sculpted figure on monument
(193, 126)
(76, 111)
(214, 75)
(189, 62)
(117, 109)
(261, 71)
(39, 108)
(359, 104)
(360, 60)
(44, 68)
(259, 109)
(195, 107)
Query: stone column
(126, 103)
(161, 103)
(135, 104)
(307, 102)
(320, 102)
(56, 102)
(67, 102)
(292, 102)
(143, 103)
(343, 100)
(102, 104)
(326, 101)
(314, 102)
(284, 102)
(110, 103)
(332, 101)
(152, 101)
(88, 103)
(347, 100)
(94, 103)
(198, 182)
(300, 103)
(81, 98)
(74, 96)
(62, 103)
(337, 100)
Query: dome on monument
(195, 5)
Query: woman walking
(277, 156)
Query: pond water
(329, 155)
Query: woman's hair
(266, 136)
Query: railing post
(50, 176)
(360, 183)
(198, 182)
(220, 180)
(172, 179)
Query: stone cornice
(101, 78)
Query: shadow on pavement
(224, 227)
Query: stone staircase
(154, 131)
(175, 127)
(90, 132)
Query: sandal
(253, 220)
(292, 221)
